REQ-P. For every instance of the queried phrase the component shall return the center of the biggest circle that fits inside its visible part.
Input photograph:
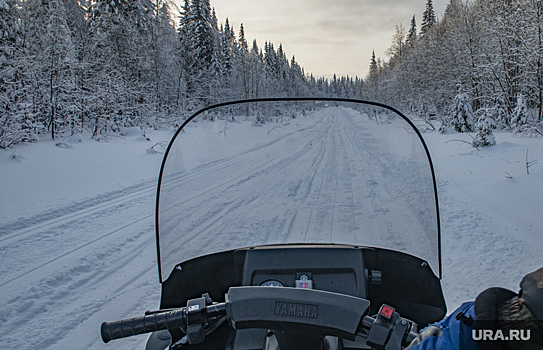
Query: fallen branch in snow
(428, 122)
(223, 131)
(15, 157)
(509, 176)
(64, 145)
(529, 163)
(161, 144)
(108, 138)
(275, 127)
(472, 143)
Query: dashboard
(327, 268)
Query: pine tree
(412, 33)
(243, 46)
(460, 113)
(226, 47)
(428, 17)
(484, 127)
(269, 59)
(281, 64)
(214, 21)
(499, 114)
(244, 62)
(200, 32)
(184, 19)
(520, 117)
(255, 70)
(374, 69)
(199, 38)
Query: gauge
(272, 283)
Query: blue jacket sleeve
(455, 334)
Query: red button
(386, 311)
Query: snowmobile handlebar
(278, 309)
(143, 324)
(196, 313)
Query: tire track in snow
(266, 161)
(70, 287)
(34, 272)
(73, 211)
(324, 157)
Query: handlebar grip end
(105, 332)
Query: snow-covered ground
(77, 240)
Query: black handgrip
(143, 324)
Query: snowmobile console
(378, 275)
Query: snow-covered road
(70, 260)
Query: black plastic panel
(212, 274)
(408, 284)
(332, 268)
(321, 312)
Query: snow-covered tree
(499, 114)
(10, 29)
(374, 68)
(164, 47)
(243, 62)
(11, 80)
(256, 71)
(200, 44)
(52, 51)
(484, 127)
(396, 50)
(460, 113)
(520, 117)
(228, 43)
(411, 38)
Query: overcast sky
(326, 36)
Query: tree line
(68, 66)
(482, 59)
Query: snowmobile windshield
(281, 171)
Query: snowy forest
(68, 66)
(477, 68)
